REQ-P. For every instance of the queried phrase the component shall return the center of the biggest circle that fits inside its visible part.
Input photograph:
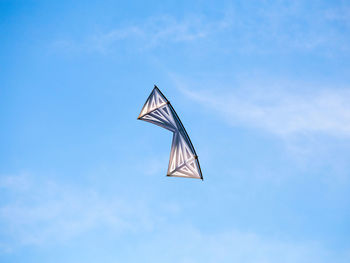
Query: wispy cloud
(281, 112)
(43, 213)
(280, 27)
(188, 244)
(153, 32)
(38, 211)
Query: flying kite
(183, 158)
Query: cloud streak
(38, 212)
(153, 32)
(281, 112)
(41, 213)
(267, 29)
(188, 244)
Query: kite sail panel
(183, 158)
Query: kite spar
(183, 158)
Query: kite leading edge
(183, 158)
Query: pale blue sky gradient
(262, 87)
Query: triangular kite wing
(183, 158)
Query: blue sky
(262, 88)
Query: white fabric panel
(154, 101)
(182, 159)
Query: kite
(183, 158)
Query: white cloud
(248, 28)
(19, 182)
(152, 32)
(47, 212)
(188, 244)
(43, 213)
(281, 112)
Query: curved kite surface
(183, 158)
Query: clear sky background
(262, 87)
